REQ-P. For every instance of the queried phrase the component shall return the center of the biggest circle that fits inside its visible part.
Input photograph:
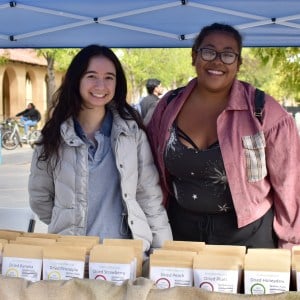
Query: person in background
(227, 178)
(29, 118)
(148, 103)
(92, 172)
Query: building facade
(22, 80)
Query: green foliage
(259, 74)
(3, 59)
(61, 57)
(285, 66)
(171, 66)
(59, 60)
(275, 70)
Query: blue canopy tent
(143, 23)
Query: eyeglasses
(226, 57)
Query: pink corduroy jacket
(262, 161)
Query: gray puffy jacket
(59, 197)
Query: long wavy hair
(68, 101)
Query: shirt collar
(105, 128)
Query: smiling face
(215, 75)
(98, 83)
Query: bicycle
(11, 138)
(5, 126)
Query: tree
(3, 60)
(57, 59)
(285, 64)
(253, 71)
(171, 66)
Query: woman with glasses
(228, 177)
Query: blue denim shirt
(104, 194)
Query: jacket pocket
(254, 149)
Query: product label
(167, 277)
(56, 269)
(116, 273)
(224, 281)
(262, 282)
(27, 268)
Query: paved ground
(14, 171)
